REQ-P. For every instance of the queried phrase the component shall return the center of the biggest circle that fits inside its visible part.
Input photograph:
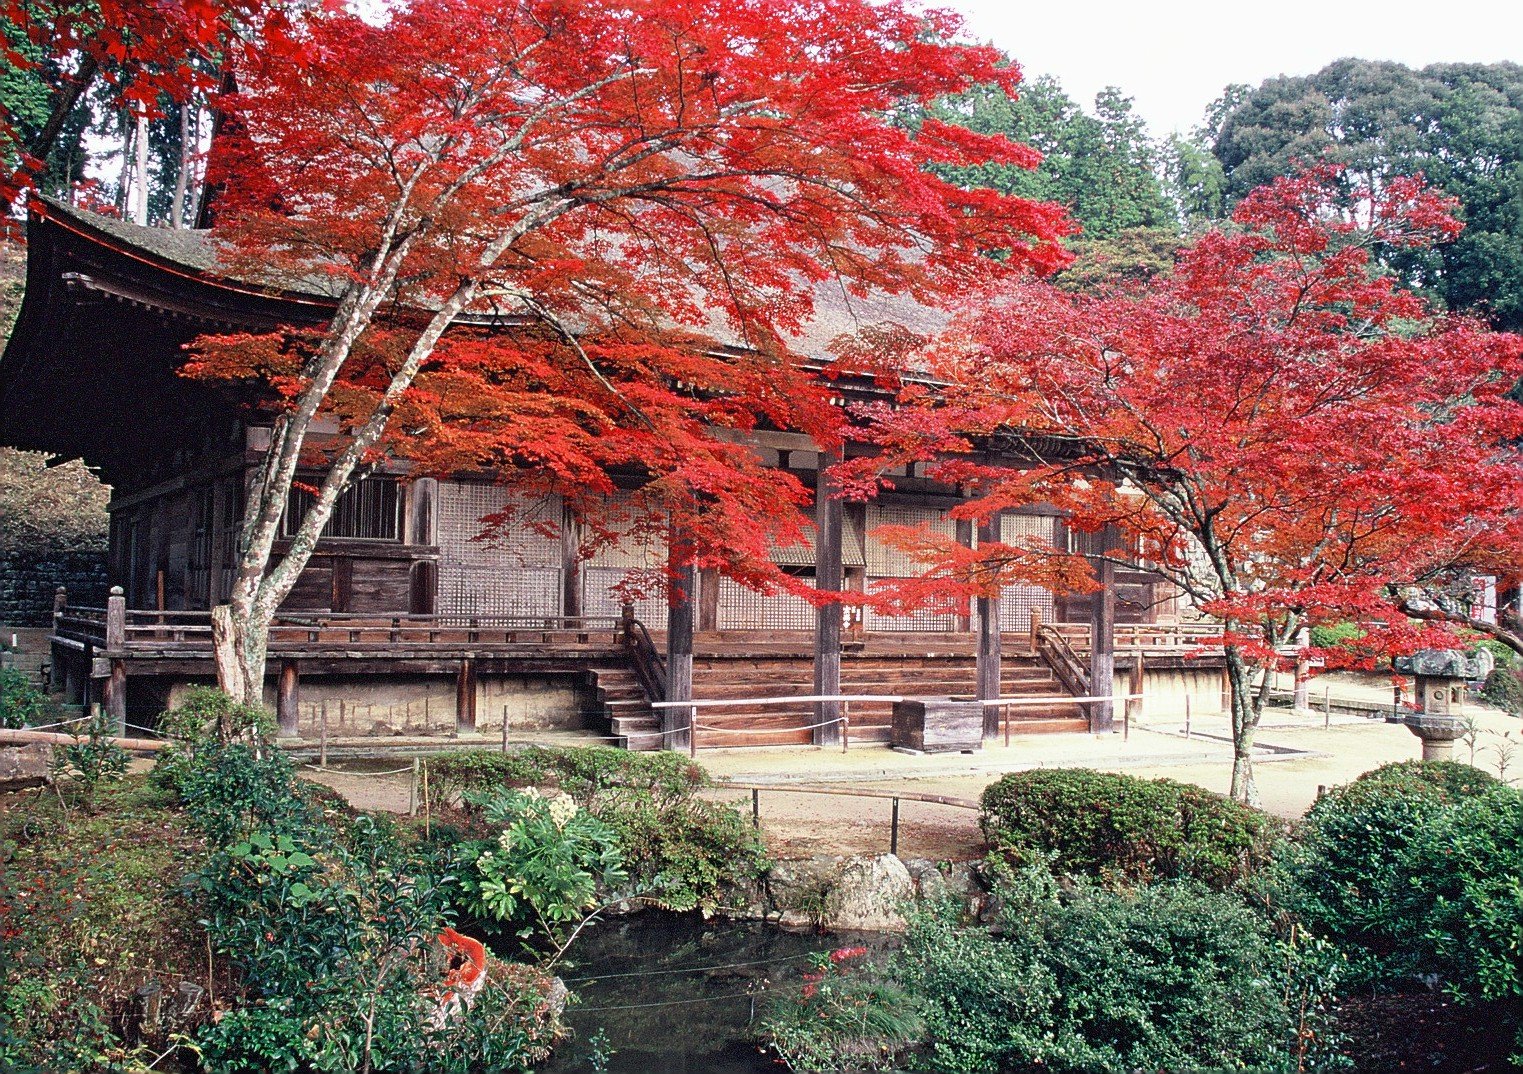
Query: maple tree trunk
(1245, 722)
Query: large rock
(25, 766)
(852, 893)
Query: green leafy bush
(1504, 689)
(1413, 870)
(1124, 829)
(22, 704)
(841, 1018)
(92, 760)
(206, 717)
(682, 851)
(550, 866)
(1170, 976)
(331, 921)
(1500, 651)
(1334, 635)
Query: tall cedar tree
(654, 191)
(1284, 433)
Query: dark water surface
(682, 992)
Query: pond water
(676, 995)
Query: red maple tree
(650, 197)
(1285, 433)
(139, 52)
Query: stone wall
(29, 576)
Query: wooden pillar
(571, 564)
(465, 697)
(828, 575)
(989, 670)
(676, 722)
(1102, 648)
(114, 695)
(57, 678)
(965, 538)
(288, 700)
(708, 599)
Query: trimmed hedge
(1410, 869)
(1124, 829)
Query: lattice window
(746, 609)
(889, 564)
(1017, 602)
(199, 562)
(502, 590)
(369, 510)
(599, 598)
(886, 562)
(516, 572)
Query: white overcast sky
(1175, 56)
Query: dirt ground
(1298, 756)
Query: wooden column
(965, 610)
(675, 723)
(114, 695)
(465, 697)
(828, 575)
(989, 648)
(571, 564)
(708, 599)
(288, 700)
(57, 679)
(1102, 649)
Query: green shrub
(1503, 653)
(1335, 635)
(841, 1018)
(92, 760)
(1369, 870)
(683, 852)
(551, 865)
(204, 718)
(1124, 829)
(1504, 690)
(330, 919)
(1164, 977)
(22, 704)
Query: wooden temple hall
(404, 624)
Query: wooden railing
(1142, 636)
(1056, 652)
(649, 666)
(130, 629)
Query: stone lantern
(1441, 675)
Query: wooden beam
(288, 700)
(965, 538)
(828, 575)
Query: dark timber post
(465, 697)
(989, 674)
(1102, 648)
(571, 564)
(115, 693)
(57, 678)
(964, 538)
(676, 723)
(828, 575)
(288, 700)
